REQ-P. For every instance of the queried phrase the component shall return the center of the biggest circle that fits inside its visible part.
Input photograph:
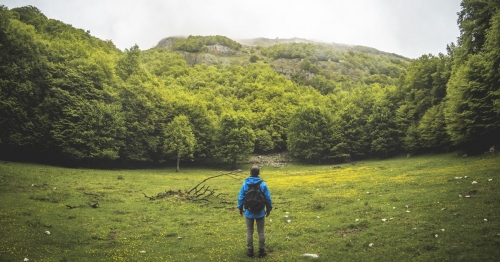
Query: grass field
(435, 208)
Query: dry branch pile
(200, 192)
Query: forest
(69, 98)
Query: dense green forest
(67, 97)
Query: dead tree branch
(200, 192)
(150, 198)
(224, 174)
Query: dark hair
(254, 171)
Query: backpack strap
(256, 186)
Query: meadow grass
(337, 213)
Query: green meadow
(423, 208)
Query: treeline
(66, 96)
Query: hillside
(265, 42)
(68, 97)
(300, 60)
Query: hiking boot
(250, 252)
(262, 252)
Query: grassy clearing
(335, 212)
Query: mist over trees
(67, 97)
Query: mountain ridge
(299, 59)
(266, 42)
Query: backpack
(254, 199)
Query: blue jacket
(267, 195)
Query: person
(257, 216)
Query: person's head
(254, 171)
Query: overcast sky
(406, 27)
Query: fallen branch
(150, 198)
(196, 193)
(225, 174)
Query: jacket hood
(252, 180)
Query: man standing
(252, 183)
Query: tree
(353, 112)
(422, 87)
(235, 138)
(83, 129)
(432, 128)
(144, 130)
(195, 109)
(381, 123)
(24, 73)
(253, 58)
(179, 139)
(473, 93)
(474, 22)
(309, 133)
(31, 15)
(263, 141)
(129, 63)
(470, 113)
